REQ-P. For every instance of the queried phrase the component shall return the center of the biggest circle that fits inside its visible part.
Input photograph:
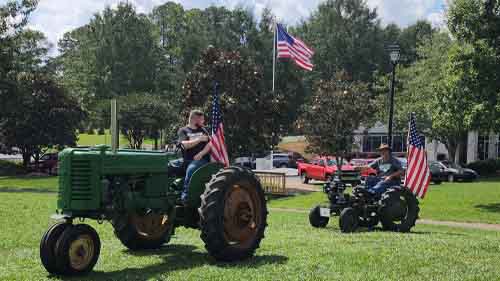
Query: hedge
(487, 167)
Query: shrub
(101, 131)
(9, 168)
(90, 131)
(485, 167)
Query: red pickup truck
(321, 168)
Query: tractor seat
(176, 168)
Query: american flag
(218, 152)
(291, 47)
(417, 175)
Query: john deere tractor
(137, 192)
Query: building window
(483, 143)
(372, 143)
(498, 146)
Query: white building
(479, 146)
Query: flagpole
(274, 52)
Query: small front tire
(78, 250)
(316, 220)
(348, 220)
(48, 246)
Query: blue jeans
(191, 168)
(377, 185)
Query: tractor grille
(81, 180)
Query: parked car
(285, 160)
(322, 168)
(450, 171)
(247, 162)
(363, 163)
(46, 164)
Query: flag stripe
(218, 151)
(418, 174)
(291, 47)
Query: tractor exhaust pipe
(114, 126)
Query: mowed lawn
(292, 250)
(91, 140)
(462, 201)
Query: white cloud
(55, 17)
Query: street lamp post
(394, 56)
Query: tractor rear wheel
(233, 214)
(48, 246)
(399, 210)
(144, 231)
(77, 250)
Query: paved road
(11, 157)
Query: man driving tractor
(389, 172)
(194, 139)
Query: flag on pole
(218, 152)
(417, 174)
(291, 47)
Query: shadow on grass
(176, 257)
(492, 207)
(28, 189)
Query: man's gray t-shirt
(387, 168)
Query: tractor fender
(198, 181)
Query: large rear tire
(48, 246)
(399, 210)
(144, 231)
(233, 214)
(316, 220)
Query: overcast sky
(55, 17)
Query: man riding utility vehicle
(389, 172)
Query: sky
(55, 17)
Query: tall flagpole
(274, 52)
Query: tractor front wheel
(315, 218)
(77, 250)
(144, 231)
(233, 214)
(48, 246)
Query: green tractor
(137, 192)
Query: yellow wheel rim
(151, 226)
(81, 252)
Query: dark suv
(46, 164)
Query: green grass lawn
(466, 202)
(292, 250)
(37, 184)
(91, 140)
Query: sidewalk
(469, 225)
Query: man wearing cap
(389, 172)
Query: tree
(477, 23)
(13, 19)
(47, 118)
(114, 54)
(346, 36)
(248, 109)
(143, 115)
(338, 107)
(441, 89)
